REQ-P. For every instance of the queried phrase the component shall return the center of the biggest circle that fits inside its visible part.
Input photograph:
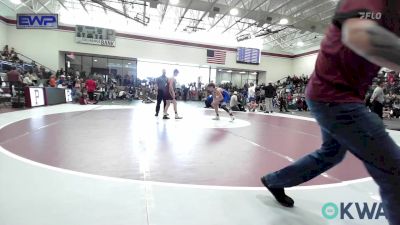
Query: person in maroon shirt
(363, 37)
(14, 79)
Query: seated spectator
(27, 80)
(77, 91)
(34, 78)
(235, 104)
(252, 105)
(396, 109)
(83, 100)
(305, 106)
(299, 104)
(61, 81)
(52, 81)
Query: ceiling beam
(101, 3)
(205, 13)
(83, 6)
(274, 10)
(301, 20)
(225, 14)
(164, 11)
(24, 4)
(7, 6)
(248, 13)
(62, 4)
(44, 6)
(123, 6)
(183, 15)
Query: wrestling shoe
(216, 118)
(232, 118)
(165, 117)
(279, 194)
(178, 117)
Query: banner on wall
(95, 36)
(37, 21)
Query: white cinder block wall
(45, 46)
(304, 65)
(3, 34)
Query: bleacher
(23, 64)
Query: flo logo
(353, 210)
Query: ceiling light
(254, 73)
(242, 72)
(229, 71)
(174, 2)
(16, 2)
(219, 70)
(283, 21)
(300, 44)
(234, 12)
(129, 63)
(95, 60)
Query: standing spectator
(90, 87)
(270, 93)
(161, 89)
(14, 79)
(6, 52)
(252, 92)
(283, 103)
(377, 99)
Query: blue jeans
(349, 126)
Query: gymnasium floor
(120, 165)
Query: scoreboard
(248, 55)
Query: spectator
(378, 99)
(252, 92)
(27, 80)
(396, 109)
(283, 103)
(252, 105)
(270, 93)
(305, 106)
(234, 103)
(90, 87)
(77, 93)
(5, 53)
(34, 78)
(14, 79)
(61, 81)
(52, 81)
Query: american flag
(216, 56)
